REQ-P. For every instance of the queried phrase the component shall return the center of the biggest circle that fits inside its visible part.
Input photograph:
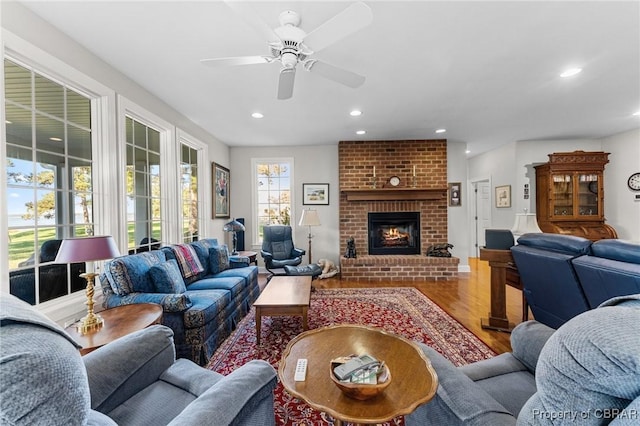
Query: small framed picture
(221, 178)
(455, 194)
(503, 196)
(315, 194)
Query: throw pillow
(218, 259)
(166, 277)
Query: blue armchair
(278, 250)
(588, 371)
(134, 380)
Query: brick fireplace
(421, 167)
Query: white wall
(513, 165)
(312, 164)
(621, 208)
(458, 225)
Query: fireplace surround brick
(394, 158)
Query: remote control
(301, 370)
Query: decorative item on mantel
(415, 180)
(374, 180)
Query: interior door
(483, 212)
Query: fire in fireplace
(394, 233)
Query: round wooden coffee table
(413, 379)
(118, 322)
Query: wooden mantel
(387, 194)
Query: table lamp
(89, 250)
(525, 223)
(309, 218)
(234, 226)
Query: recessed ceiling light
(355, 113)
(467, 151)
(360, 132)
(441, 130)
(636, 113)
(257, 115)
(570, 72)
(55, 139)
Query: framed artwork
(315, 194)
(503, 196)
(455, 194)
(221, 177)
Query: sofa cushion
(128, 274)
(167, 278)
(208, 305)
(233, 284)
(202, 250)
(187, 259)
(218, 259)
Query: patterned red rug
(404, 311)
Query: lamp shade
(309, 218)
(88, 249)
(525, 223)
(233, 226)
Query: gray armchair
(278, 250)
(589, 368)
(134, 380)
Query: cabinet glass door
(588, 187)
(563, 195)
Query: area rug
(404, 311)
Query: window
(191, 206)
(49, 181)
(144, 225)
(272, 178)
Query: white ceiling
(488, 72)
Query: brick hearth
(394, 158)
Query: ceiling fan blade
(350, 20)
(236, 60)
(334, 73)
(285, 83)
(249, 15)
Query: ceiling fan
(290, 45)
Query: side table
(118, 322)
(252, 255)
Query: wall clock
(634, 182)
(394, 181)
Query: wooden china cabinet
(570, 195)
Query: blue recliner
(550, 282)
(278, 250)
(613, 269)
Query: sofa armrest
(122, 368)
(246, 393)
(238, 261)
(170, 302)
(527, 340)
(296, 252)
(266, 255)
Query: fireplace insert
(394, 233)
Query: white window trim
(103, 100)
(204, 183)
(254, 194)
(168, 172)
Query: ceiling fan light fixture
(289, 60)
(570, 72)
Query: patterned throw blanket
(188, 260)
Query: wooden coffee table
(118, 322)
(284, 296)
(413, 379)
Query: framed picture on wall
(315, 194)
(221, 185)
(455, 194)
(503, 196)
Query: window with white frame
(49, 179)
(191, 188)
(272, 179)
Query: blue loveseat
(204, 292)
(565, 275)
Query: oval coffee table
(413, 379)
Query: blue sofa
(204, 292)
(135, 380)
(564, 275)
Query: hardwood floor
(466, 299)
